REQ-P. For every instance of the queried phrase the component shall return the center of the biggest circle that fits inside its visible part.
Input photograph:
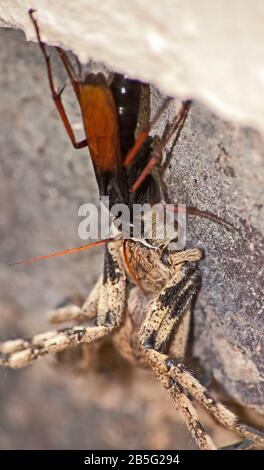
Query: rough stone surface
(212, 51)
(215, 166)
(220, 168)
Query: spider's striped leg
(72, 312)
(166, 366)
(183, 404)
(19, 353)
(246, 444)
(111, 306)
(165, 313)
(163, 317)
(216, 409)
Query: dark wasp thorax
(127, 94)
(132, 100)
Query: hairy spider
(149, 328)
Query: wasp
(143, 300)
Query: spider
(143, 300)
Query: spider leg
(73, 312)
(241, 445)
(186, 409)
(69, 312)
(178, 372)
(164, 315)
(18, 353)
(215, 408)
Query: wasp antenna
(203, 214)
(211, 216)
(62, 253)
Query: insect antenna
(199, 213)
(64, 252)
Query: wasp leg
(164, 315)
(56, 96)
(70, 71)
(175, 127)
(71, 312)
(18, 353)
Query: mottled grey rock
(220, 168)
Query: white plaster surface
(211, 51)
